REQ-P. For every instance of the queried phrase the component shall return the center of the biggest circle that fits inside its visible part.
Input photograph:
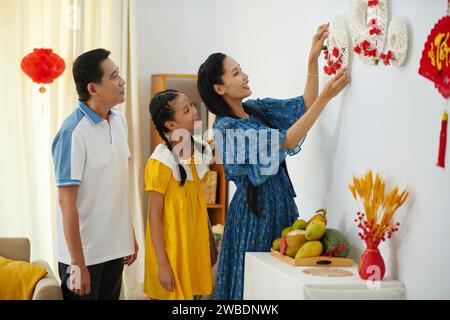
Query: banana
(320, 215)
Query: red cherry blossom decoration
(386, 57)
(334, 61)
(335, 52)
(376, 31)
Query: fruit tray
(314, 261)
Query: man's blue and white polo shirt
(92, 153)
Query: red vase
(371, 264)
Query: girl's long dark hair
(209, 74)
(161, 112)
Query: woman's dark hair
(161, 112)
(209, 74)
(86, 69)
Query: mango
(315, 230)
(310, 249)
(300, 224)
(294, 240)
(276, 244)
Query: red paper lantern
(43, 66)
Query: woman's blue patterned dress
(244, 232)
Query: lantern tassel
(443, 141)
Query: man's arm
(67, 201)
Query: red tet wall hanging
(373, 41)
(434, 65)
(43, 66)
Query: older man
(90, 152)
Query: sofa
(18, 249)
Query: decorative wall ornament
(372, 40)
(337, 51)
(397, 43)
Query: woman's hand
(335, 85)
(318, 40)
(166, 277)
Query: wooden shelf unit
(187, 84)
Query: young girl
(180, 247)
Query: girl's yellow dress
(185, 231)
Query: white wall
(173, 36)
(387, 120)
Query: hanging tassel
(443, 141)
